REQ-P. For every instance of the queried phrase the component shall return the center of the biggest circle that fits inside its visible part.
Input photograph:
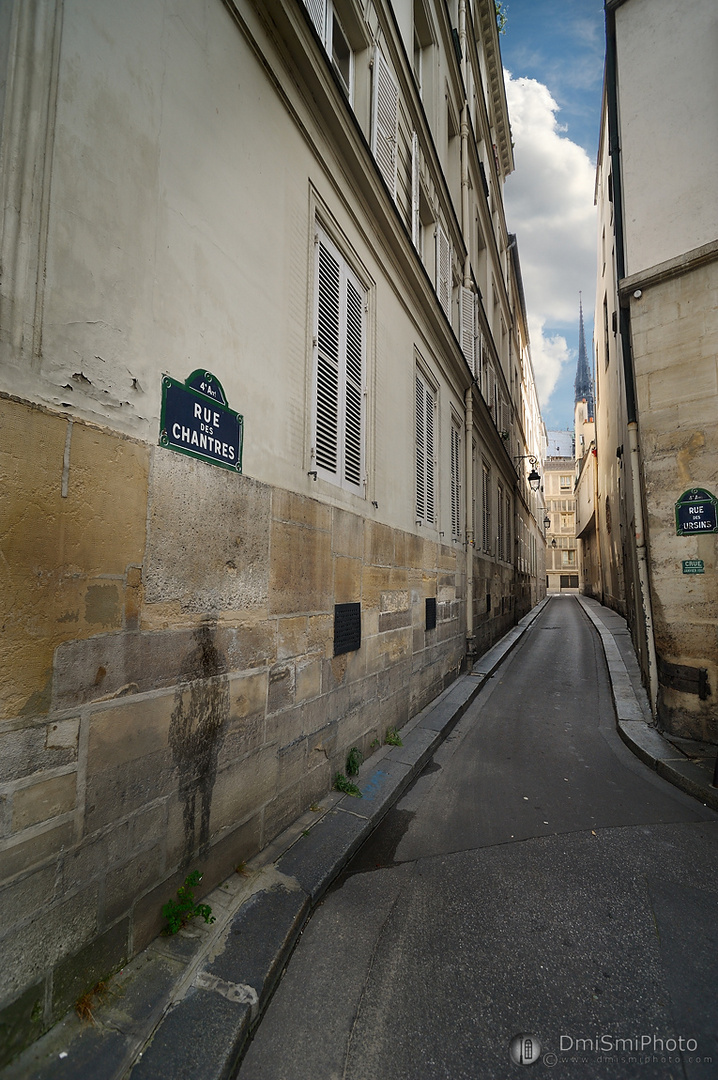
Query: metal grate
(431, 613)
(347, 628)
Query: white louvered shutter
(415, 168)
(353, 386)
(424, 412)
(486, 507)
(455, 481)
(385, 118)
(339, 369)
(467, 315)
(318, 13)
(326, 441)
(443, 270)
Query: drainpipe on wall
(614, 147)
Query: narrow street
(536, 879)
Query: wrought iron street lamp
(534, 477)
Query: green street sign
(693, 566)
(196, 421)
(696, 512)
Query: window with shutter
(500, 553)
(507, 537)
(443, 270)
(327, 23)
(339, 369)
(385, 118)
(415, 193)
(455, 479)
(425, 408)
(486, 507)
(467, 316)
(318, 13)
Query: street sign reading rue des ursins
(696, 512)
(197, 421)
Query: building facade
(246, 233)
(656, 344)
(562, 562)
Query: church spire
(583, 386)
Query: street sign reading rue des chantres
(196, 420)
(696, 513)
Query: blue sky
(553, 53)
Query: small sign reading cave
(196, 420)
(347, 628)
(696, 512)
(693, 566)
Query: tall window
(500, 522)
(455, 479)
(486, 507)
(385, 120)
(507, 531)
(423, 40)
(339, 368)
(425, 409)
(328, 25)
(443, 270)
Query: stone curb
(187, 1006)
(643, 739)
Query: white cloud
(549, 352)
(549, 205)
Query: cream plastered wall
(668, 87)
(159, 261)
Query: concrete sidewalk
(687, 764)
(187, 1005)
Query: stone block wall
(170, 694)
(674, 324)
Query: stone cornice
(681, 264)
(496, 88)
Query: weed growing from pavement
(354, 760)
(179, 912)
(392, 737)
(86, 1002)
(342, 784)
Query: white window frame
(323, 14)
(339, 357)
(425, 422)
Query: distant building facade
(285, 212)
(562, 562)
(656, 342)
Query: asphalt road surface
(536, 880)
